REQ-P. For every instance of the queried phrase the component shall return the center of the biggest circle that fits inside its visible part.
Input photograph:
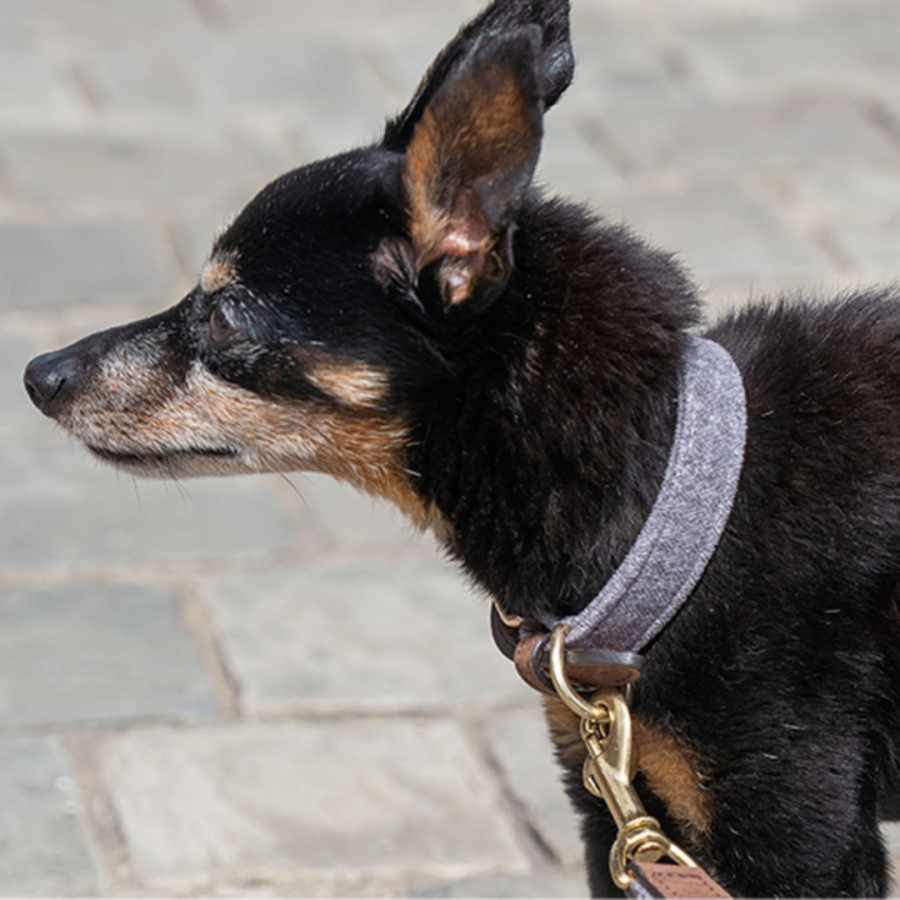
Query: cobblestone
(97, 653)
(168, 164)
(325, 638)
(34, 90)
(57, 506)
(51, 265)
(43, 850)
(270, 687)
(406, 801)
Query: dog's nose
(52, 379)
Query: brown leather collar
(527, 645)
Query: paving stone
(350, 19)
(166, 165)
(88, 23)
(34, 89)
(520, 744)
(97, 654)
(338, 637)
(269, 70)
(377, 798)
(541, 884)
(43, 850)
(875, 250)
(57, 506)
(44, 267)
(19, 32)
(140, 75)
(858, 193)
(334, 94)
(571, 167)
(721, 235)
(843, 51)
(617, 67)
(706, 139)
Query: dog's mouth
(171, 461)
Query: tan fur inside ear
(464, 165)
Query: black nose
(52, 379)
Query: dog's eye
(221, 328)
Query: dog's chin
(192, 463)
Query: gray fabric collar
(683, 529)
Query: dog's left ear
(468, 166)
(556, 61)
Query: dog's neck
(547, 458)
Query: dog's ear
(556, 62)
(468, 166)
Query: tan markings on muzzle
(357, 445)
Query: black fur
(539, 415)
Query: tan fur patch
(355, 384)
(673, 771)
(218, 272)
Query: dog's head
(340, 290)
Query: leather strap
(675, 882)
(587, 669)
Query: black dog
(414, 317)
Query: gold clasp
(610, 768)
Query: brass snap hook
(609, 770)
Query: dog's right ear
(556, 62)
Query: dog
(418, 319)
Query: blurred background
(176, 717)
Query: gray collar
(689, 515)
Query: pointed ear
(469, 164)
(556, 62)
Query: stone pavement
(174, 718)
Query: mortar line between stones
(225, 686)
(106, 839)
(542, 855)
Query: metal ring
(561, 682)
